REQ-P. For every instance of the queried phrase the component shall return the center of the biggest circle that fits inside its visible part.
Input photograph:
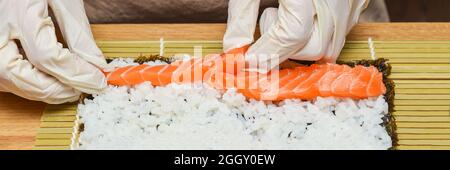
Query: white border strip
(161, 46)
(372, 48)
(75, 132)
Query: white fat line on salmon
(161, 47)
(125, 73)
(291, 83)
(142, 72)
(372, 48)
(372, 78)
(307, 81)
(161, 71)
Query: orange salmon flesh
(225, 72)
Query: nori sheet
(389, 120)
(142, 59)
(146, 58)
(381, 64)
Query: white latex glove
(50, 73)
(312, 30)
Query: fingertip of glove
(59, 93)
(99, 86)
(92, 83)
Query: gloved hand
(311, 30)
(50, 73)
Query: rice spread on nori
(90, 143)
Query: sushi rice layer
(200, 117)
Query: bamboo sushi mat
(420, 70)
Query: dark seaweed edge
(147, 58)
(85, 96)
(141, 59)
(388, 120)
(109, 60)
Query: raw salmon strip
(226, 71)
(308, 88)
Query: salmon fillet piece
(226, 71)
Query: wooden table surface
(20, 118)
